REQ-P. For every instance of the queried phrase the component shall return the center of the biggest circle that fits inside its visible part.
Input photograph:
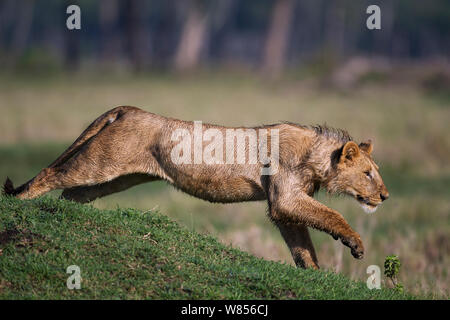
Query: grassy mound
(130, 254)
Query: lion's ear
(366, 146)
(350, 151)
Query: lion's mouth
(366, 204)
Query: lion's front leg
(299, 242)
(309, 212)
(290, 206)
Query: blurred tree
(335, 14)
(184, 34)
(22, 27)
(109, 31)
(277, 37)
(71, 41)
(383, 40)
(192, 37)
(222, 12)
(7, 9)
(137, 34)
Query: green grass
(132, 254)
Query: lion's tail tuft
(8, 187)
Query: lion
(127, 146)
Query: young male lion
(127, 146)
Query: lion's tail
(94, 128)
(8, 187)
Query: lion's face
(358, 176)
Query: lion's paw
(355, 244)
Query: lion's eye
(367, 173)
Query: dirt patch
(22, 238)
(47, 208)
(4, 284)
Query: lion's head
(356, 174)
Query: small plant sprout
(391, 269)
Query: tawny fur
(127, 146)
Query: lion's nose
(384, 196)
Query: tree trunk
(277, 38)
(383, 40)
(7, 9)
(110, 39)
(138, 40)
(22, 30)
(71, 41)
(192, 39)
(335, 27)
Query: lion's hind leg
(45, 181)
(80, 176)
(40, 184)
(83, 163)
(84, 194)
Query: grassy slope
(126, 253)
